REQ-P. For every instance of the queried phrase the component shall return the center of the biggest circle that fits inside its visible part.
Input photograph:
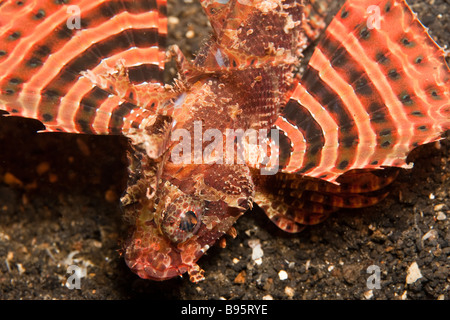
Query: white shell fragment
(257, 252)
(368, 294)
(432, 235)
(413, 273)
(282, 275)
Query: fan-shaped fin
(376, 87)
(299, 201)
(50, 51)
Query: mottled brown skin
(155, 251)
(222, 97)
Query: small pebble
(432, 235)
(240, 278)
(4, 236)
(404, 295)
(20, 268)
(368, 294)
(52, 178)
(42, 168)
(282, 275)
(441, 216)
(257, 251)
(173, 20)
(439, 207)
(413, 273)
(11, 180)
(307, 264)
(111, 196)
(190, 34)
(10, 255)
(289, 292)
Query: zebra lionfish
(376, 87)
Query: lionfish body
(376, 87)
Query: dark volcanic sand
(65, 200)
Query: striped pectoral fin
(343, 200)
(365, 180)
(288, 203)
(314, 207)
(311, 207)
(50, 51)
(292, 216)
(376, 87)
(276, 210)
(357, 188)
(98, 112)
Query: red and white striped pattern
(42, 59)
(372, 94)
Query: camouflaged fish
(376, 87)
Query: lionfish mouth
(147, 270)
(152, 256)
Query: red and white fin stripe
(384, 91)
(48, 47)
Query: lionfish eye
(180, 222)
(188, 221)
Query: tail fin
(376, 87)
(51, 54)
